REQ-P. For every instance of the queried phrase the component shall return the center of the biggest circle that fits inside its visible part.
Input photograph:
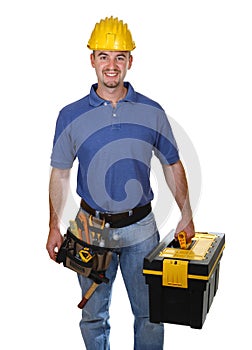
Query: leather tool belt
(88, 260)
(77, 254)
(119, 219)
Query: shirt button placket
(115, 120)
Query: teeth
(111, 73)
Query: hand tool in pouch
(97, 276)
(86, 259)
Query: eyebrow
(105, 54)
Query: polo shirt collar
(96, 100)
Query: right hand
(54, 242)
(187, 227)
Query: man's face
(111, 67)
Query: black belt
(120, 219)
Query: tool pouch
(90, 229)
(82, 257)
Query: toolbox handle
(181, 242)
(182, 239)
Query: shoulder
(140, 98)
(70, 113)
(75, 109)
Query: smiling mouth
(111, 74)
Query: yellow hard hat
(112, 35)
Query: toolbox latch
(175, 273)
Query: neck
(112, 94)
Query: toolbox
(183, 282)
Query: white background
(194, 58)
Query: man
(113, 132)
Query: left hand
(187, 227)
(54, 242)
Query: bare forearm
(176, 179)
(58, 191)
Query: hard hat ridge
(111, 34)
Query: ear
(130, 61)
(92, 59)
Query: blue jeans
(95, 326)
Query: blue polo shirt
(114, 147)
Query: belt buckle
(97, 214)
(108, 216)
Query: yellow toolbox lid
(176, 266)
(197, 250)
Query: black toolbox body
(183, 282)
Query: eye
(121, 58)
(103, 57)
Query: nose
(112, 64)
